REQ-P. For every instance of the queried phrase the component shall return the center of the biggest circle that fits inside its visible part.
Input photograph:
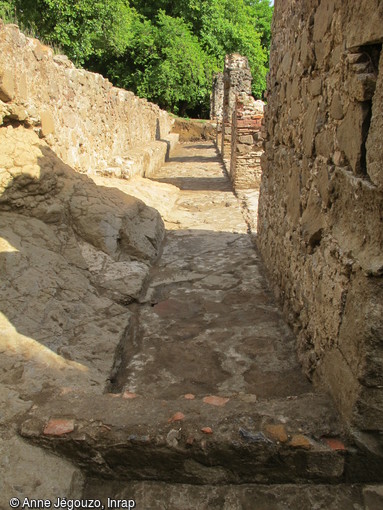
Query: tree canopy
(163, 50)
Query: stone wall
(239, 123)
(216, 106)
(321, 203)
(90, 125)
(236, 79)
(216, 98)
(246, 143)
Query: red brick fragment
(334, 443)
(216, 401)
(189, 396)
(58, 427)
(176, 417)
(207, 430)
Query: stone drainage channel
(211, 409)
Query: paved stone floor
(208, 324)
(206, 388)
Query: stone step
(163, 496)
(203, 441)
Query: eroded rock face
(320, 216)
(72, 254)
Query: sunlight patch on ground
(13, 343)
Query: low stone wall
(321, 203)
(91, 125)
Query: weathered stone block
(373, 497)
(322, 19)
(313, 220)
(359, 341)
(351, 134)
(7, 86)
(293, 190)
(315, 86)
(336, 108)
(309, 124)
(246, 139)
(324, 143)
(47, 123)
(374, 144)
(362, 86)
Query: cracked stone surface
(72, 254)
(207, 324)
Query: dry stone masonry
(216, 106)
(239, 123)
(246, 143)
(236, 79)
(216, 99)
(91, 125)
(321, 202)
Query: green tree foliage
(222, 27)
(165, 63)
(7, 11)
(164, 50)
(82, 28)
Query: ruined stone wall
(216, 98)
(90, 124)
(321, 203)
(236, 79)
(246, 143)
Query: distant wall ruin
(239, 123)
(246, 143)
(321, 203)
(91, 125)
(216, 98)
(236, 79)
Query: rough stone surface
(216, 99)
(374, 143)
(72, 255)
(236, 79)
(90, 125)
(107, 333)
(246, 143)
(320, 212)
(373, 497)
(26, 470)
(205, 326)
(231, 497)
